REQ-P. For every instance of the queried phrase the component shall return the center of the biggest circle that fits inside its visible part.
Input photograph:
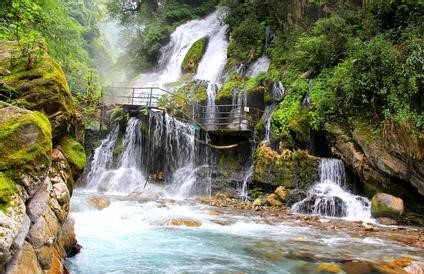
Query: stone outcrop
(390, 161)
(36, 172)
(37, 185)
(291, 169)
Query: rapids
(133, 235)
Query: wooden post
(132, 98)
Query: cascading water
(237, 114)
(260, 65)
(172, 55)
(103, 158)
(211, 108)
(307, 100)
(127, 177)
(244, 191)
(269, 110)
(278, 91)
(329, 196)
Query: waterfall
(307, 100)
(184, 36)
(260, 65)
(244, 191)
(215, 57)
(132, 143)
(103, 158)
(211, 108)
(269, 110)
(329, 196)
(278, 91)
(127, 176)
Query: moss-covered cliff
(36, 179)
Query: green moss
(194, 55)
(24, 138)
(291, 107)
(291, 169)
(7, 189)
(74, 152)
(43, 87)
(299, 126)
(236, 82)
(119, 115)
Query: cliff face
(40, 158)
(390, 161)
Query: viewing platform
(229, 119)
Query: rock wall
(40, 158)
(390, 161)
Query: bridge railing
(221, 117)
(137, 96)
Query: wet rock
(386, 221)
(281, 193)
(260, 201)
(67, 239)
(295, 195)
(183, 222)
(386, 205)
(272, 200)
(392, 267)
(391, 162)
(328, 268)
(44, 230)
(99, 202)
(415, 268)
(356, 267)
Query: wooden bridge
(222, 119)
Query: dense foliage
(367, 61)
(70, 30)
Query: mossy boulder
(291, 169)
(42, 87)
(25, 145)
(75, 154)
(194, 55)
(385, 205)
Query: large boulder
(272, 200)
(25, 146)
(42, 87)
(291, 169)
(385, 205)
